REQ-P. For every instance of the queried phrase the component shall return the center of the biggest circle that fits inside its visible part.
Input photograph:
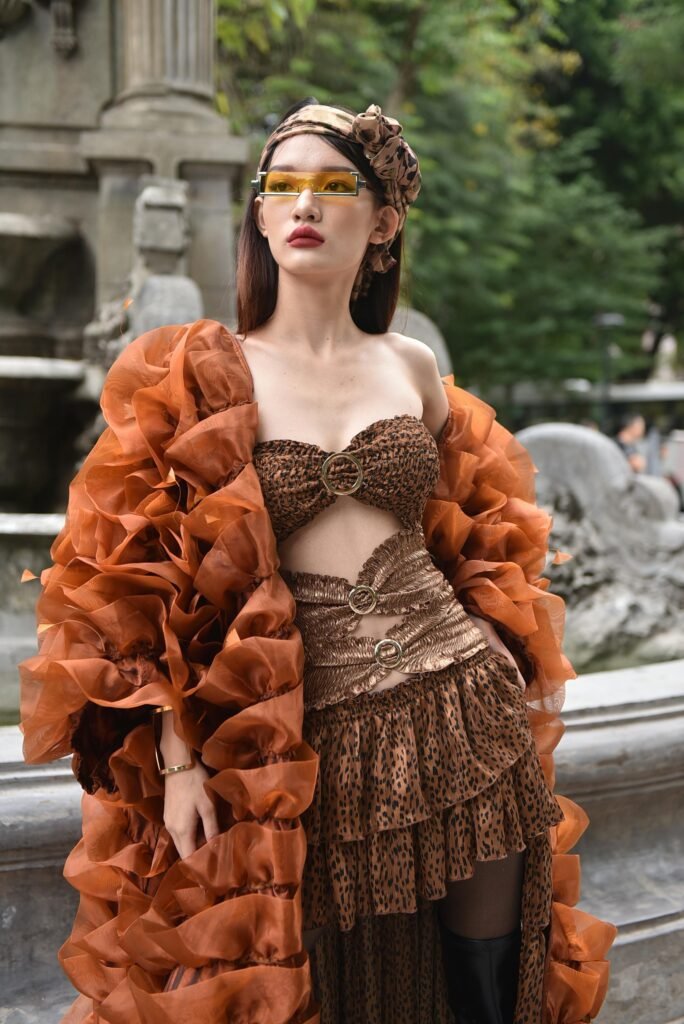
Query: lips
(308, 235)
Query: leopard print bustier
(391, 464)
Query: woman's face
(346, 223)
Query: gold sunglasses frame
(257, 183)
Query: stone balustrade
(621, 758)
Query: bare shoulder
(422, 364)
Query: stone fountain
(117, 178)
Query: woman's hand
(185, 798)
(186, 801)
(498, 645)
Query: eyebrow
(291, 167)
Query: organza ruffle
(164, 589)
(491, 540)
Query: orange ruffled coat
(165, 590)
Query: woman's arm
(498, 645)
(186, 801)
(108, 653)
(165, 591)
(107, 650)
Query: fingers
(184, 835)
(186, 801)
(209, 820)
(519, 677)
(180, 815)
(187, 843)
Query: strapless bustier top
(391, 464)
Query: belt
(398, 577)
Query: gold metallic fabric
(398, 578)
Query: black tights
(488, 904)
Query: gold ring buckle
(363, 590)
(383, 645)
(326, 466)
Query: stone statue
(160, 290)
(624, 585)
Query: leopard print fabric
(416, 783)
(396, 468)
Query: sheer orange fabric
(164, 589)
(492, 542)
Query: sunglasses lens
(280, 183)
(291, 183)
(336, 183)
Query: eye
(343, 183)
(275, 182)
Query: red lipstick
(305, 238)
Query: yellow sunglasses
(322, 183)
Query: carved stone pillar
(162, 121)
(167, 61)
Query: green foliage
(650, 45)
(548, 148)
(629, 90)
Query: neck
(312, 314)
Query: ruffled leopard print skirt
(417, 782)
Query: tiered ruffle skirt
(417, 782)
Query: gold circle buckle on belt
(396, 652)
(327, 464)
(364, 593)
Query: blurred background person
(629, 437)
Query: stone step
(25, 541)
(40, 812)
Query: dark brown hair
(257, 271)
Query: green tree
(516, 241)
(628, 89)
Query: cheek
(346, 227)
(272, 216)
(349, 226)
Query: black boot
(482, 976)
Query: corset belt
(399, 577)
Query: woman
(354, 820)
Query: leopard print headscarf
(390, 156)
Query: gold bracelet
(157, 745)
(176, 768)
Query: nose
(306, 204)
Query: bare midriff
(337, 542)
(422, 623)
